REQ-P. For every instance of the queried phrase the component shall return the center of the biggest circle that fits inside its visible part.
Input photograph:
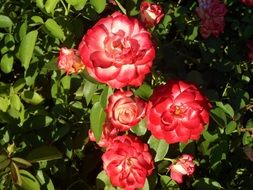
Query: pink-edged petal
(105, 74)
(143, 40)
(127, 73)
(100, 59)
(122, 23)
(147, 58)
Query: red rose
(250, 51)
(108, 134)
(150, 14)
(124, 110)
(69, 61)
(178, 112)
(183, 166)
(127, 162)
(211, 13)
(247, 2)
(117, 51)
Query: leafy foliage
(45, 115)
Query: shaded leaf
(54, 29)
(29, 182)
(5, 21)
(161, 147)
(98, 5)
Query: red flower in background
(70, 61)
(250, 51)
(247, 2)
(125, 111)
(211, 13)
(108, 134)
(117, 51)
(127, 162)
(178, 112)
(183, 166)
(150, 14)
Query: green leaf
(19, 85)
(15, 102)
(37, 19)
(15, 174)
(80, 5)
(3, 157)
(98, 5)
(88, 90)
(227, 108)
(103, 181)
(97, 118)
(4, 102)
(5, 22)
(73, 2)
(246, 138)
(219, 116)
(144, 91)
(44, 153)
(50, 5)
(29, 182)
(140, 129)
(21, 161)
(54, 29)
(40, 4)
(32, 97)
(168, 183)
(209, 137)
(207, 184)
(231, 127)
(26, 48)
(23, 30)
(5, 163)
(6, 63)
(66, 82)
(146, 185)
(121, 7)
(45, 180)
(161, 147)
(105, 95)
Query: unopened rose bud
(150, 14)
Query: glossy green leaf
(37, 19)
(144, 91)
(161, 147)
(97, 118)
(4, 102)
(6, 63)
(22, 30)
(219, 116)
(107, 92)
(80, 5)
(44, 153)
(168, 183)
(73, 2)
(103, 181)
(231, 127)
(5, 22)
(15, 102)
(227, 108)
(5, 163)
(40, 3)
(50, 5)
(140, 129)
(45, 180)
(54, 29)
(21, 161)
(32, 97)
(29, 182)
(98, 5)
(88, 90)
(26, 48)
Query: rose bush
(150, 13)
(183, 166)
(127, 161)
(178, 112)
(125, 111)
(118, 51)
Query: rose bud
(178, 112)
(118, 51)
(69, 61)
(124, 110)
(183, 166)
(127, 162)
(108, 133)
(150, 14)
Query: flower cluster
(118, 51)
(211, 13)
